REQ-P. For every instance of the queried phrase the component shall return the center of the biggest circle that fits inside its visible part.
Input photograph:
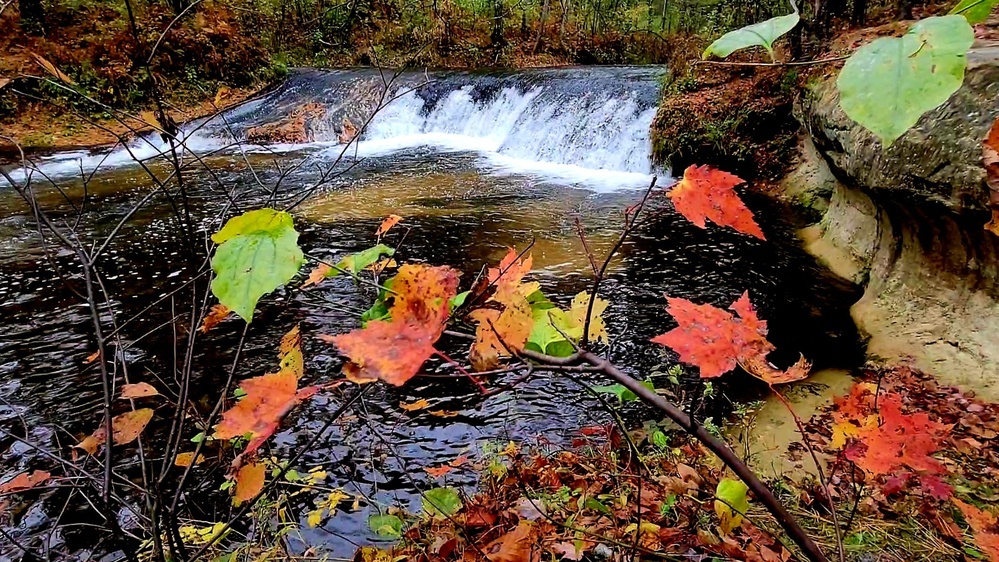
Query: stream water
(475, 163)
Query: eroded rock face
(296, 127)
(906, 223)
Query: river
(475, 163)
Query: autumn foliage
(705, 193)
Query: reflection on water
(457, 214)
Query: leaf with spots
(705, 193)
(138, 390)
(387, 225)
(394, 349)
(506, 320)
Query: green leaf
(659, 439)
(761, 34)
(735, 503)
(975, 11)
(543, 333)
(596, 505)
(355, 263)
(441, 502)
(258, 252)
(458, 300)
(887, 85)
(385, 525)
(622, 393)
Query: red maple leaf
(983, 524)
(707, 193)
(393, 350)
(715, 340)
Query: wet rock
(906, 224)
(296, 127)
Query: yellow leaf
(443, 413)
(185, 459)
(413, 406)
(577, 311)
(315, 517)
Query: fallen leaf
(25, 481)
(983, 524)
(387, 224)
(569, 550)
(317, 275)
(707, 193)
(52, 69)
(514, 546)
(250, 480)
(438, 471)
(443, 413)
(92, 357)
(125, 428)
(138, 390)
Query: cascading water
(585, 125)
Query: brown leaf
(568, 551)
(4, 82)
(514, 546)
(25, 481)
(138, 390)
(317, 275)
(92, 357)
(250, 480)
(437, 471)
(990, 158)
(51, 69)
(214, 317)
(387, 224)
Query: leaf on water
(387, 224)
(438, 471)
(125, 428)
(441, 503)
(975, 11)
(138, 390)
(52, 69)
(443, 413)
(732, 502)
(187, 459)
(92, 357)
(888, 84)
(414, 406)
(762, 34)
(393, 350)
(25, 481)
(706, 193)
(257, 253)
(250, 479)
(983, 524)
(389, 526)
(215, 316)
(268, 398)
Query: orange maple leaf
(504, 328)
(437, 471)
(268, 398)
(138, 390)
(317, 275)
(393, 350)
(125, 428)
(214, 317)
(983, 524)
(707, 193)
(900, 441)
(387, 224)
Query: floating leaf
(387, 224)
(413, 406)
(762, 34)
(975, 11)
(138, 390)
(25, 481)
(250, 480)
(393, 350)
(388, 526)
(707, 193)
(888, 84)
(441, 503)
(215, 316)
(438, 471)
(443, 413)
(317, 275)
(731, 504)
(258, 252)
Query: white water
(591, 138)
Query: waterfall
(577, 124)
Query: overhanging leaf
(258, 252)
(888, 84)
(975, 11)
(761, 34)
(706, 193)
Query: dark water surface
(460, 213)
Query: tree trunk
(541, 25)
(32, 16)
(497, 39)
